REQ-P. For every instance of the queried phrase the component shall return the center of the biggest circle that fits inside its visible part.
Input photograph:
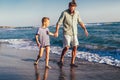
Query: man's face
(72, 8)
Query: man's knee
(66, 48)
(74, 48)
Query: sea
(101, 46)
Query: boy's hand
(38, 44)
(48, 32)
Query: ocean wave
(103, 24)
(20, 43)
(93, 24)
(29, 27)
(92, 56)
(6, 29)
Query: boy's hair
(72, 4)
(44, 19)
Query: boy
(44, 43)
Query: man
(70, 18)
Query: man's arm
(57, 30)
(59, 23)
(84, 28)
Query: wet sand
(17, 64)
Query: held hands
(52, 34)
(56, 34)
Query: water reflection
(72, 73)
(37, 73)
(63, 73)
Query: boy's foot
(60, 63)
(49, 67)
(73, 65)
(35, 63)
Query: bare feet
(60, 63)
(49, 67)
(35, 63)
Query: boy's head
(45, 21)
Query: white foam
(20, 43)
(92, 57)
(93, 24)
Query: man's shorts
(70, 40)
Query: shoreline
(18, 64)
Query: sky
(30, 12)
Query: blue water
(103, 39)
(103, 35)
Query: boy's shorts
(70, 40)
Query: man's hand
(56, 34)
(86, 33)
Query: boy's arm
(37, 40)
(50, 33)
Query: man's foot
(73, 65)
(35, 63)
(60, 63)
(49, 67)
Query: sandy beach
(17, 64)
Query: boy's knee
(39, 56)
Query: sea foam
(89, 56)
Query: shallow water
(102, 45)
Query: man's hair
(72, 4)
(44, 19)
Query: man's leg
(73, 54)
(75, 43)
(63, 53)
(66, 44)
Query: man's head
(72, 6)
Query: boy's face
(47, 23)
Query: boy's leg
(41, 52)
(45, 74)
(47, 56)
(39, 55)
